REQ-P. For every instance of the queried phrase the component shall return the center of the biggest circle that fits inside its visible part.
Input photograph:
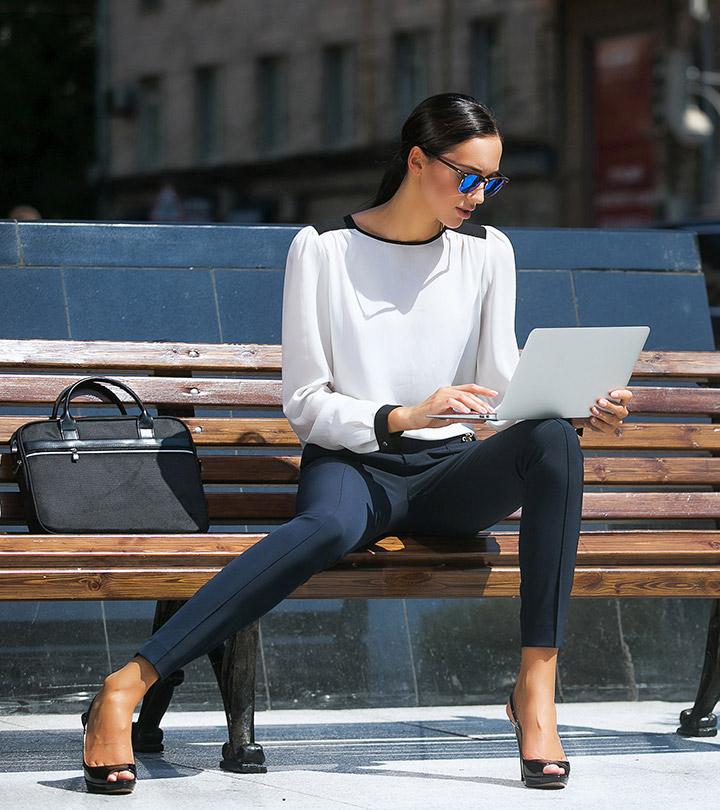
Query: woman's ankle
(131, 679)
(531, 686)
(533, 693)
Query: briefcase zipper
(76, 454)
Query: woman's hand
(607, 416)
(459, 397)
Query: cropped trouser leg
(338, 508)
(536, 464)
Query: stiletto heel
(531, 770)
(96, 776)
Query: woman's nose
(476, 197)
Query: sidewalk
(435, 757)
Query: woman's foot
(108, 737)
(535, 710)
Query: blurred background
(269, 111)
(275, 111)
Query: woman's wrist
(397, 419)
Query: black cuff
(578, 430)
(386, 441)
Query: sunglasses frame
(482, 181)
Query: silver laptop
(562, 371)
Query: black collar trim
(350, 222)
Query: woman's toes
(120, 776)
(551, 768)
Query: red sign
(624, 167)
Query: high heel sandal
(531, 770)
(96, 776)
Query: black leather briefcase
(117, 473)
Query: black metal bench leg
(146, 732)
(234, 664)
(700, 721)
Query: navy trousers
(345, 500)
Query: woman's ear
(417, 160)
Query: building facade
(234, 110)
(245, 111)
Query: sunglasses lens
(493, 186)
(469, 183)
(472, 181)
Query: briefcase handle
(68, 425)
(104, 394)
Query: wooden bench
(640, 462)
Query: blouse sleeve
(498, 353)
(316, 412)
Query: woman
(389, 315)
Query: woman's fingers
(458, 405)
(604, 424)
(621, 396)
(617, 410)
(477, 403)
(603, 415)
(468, 394)
(608, 412)
(467, 403)
(614, 412)
(478, 389)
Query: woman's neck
(396, 222)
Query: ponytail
(394, 174)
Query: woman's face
(439, 183)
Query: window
(149, 123)
(411, 72)
(338, 95)
(485, 64)
(208, 114)
(272, 104)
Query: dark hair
(440, 122)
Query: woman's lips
(463, 213)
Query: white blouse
(368, 321)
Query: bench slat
(227, 392)
(111, 354)
(371, 583)
(259, 507)
(281, 469)
(115, 354)
(274, 431)
(49, 552)
(183, 392)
